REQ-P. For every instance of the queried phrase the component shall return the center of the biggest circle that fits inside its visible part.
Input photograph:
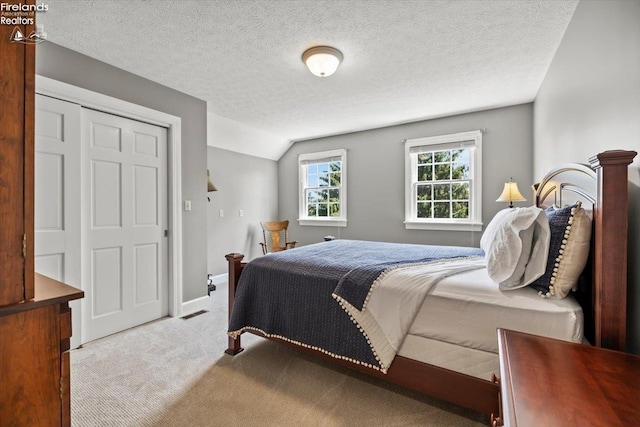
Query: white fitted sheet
(467, 308)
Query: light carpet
(172, 372)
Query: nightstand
(548, 382)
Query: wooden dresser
(34, 357)
(547, 382)
(35, 319)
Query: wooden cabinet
(17, 97)
(34, 357)
(548, 382)
(35, 319)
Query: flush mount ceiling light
(322, 61)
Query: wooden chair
(276, 230)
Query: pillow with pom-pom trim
(568, 251)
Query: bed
(452, 358)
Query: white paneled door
(124, 208)
(101, 214)
(57, 180)
(57, 194)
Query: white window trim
(340, 221)
(474, 223)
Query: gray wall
(590, 102)
(244, 183)
(375, 173)
(79, 70)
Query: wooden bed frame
(604, 298)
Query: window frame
(474, 222)
(303, 219)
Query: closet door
(57, 196)
(124, 221)
(57, 204)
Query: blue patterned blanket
(288, 294)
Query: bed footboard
(235, 268)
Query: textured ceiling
(403, 60)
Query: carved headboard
(602, 188)
(566, 184)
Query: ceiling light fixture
(322, 61)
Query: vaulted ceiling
(403, 60)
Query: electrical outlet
(187, 205)
(240, 212)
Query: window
(323, 189)
(444, 182)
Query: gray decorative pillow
(568, 251)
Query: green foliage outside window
(443, 187)
(323, 189)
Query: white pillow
(516, 245)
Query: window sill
(445, 226)
(323, 222)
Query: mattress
(469, 361)
(467, 308)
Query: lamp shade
(322, 61)
(210, 186)
(511, 194)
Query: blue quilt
(288, 294)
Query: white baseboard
(190, 307)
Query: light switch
(221, 213)
(187, 205)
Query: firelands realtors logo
(23, 14)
